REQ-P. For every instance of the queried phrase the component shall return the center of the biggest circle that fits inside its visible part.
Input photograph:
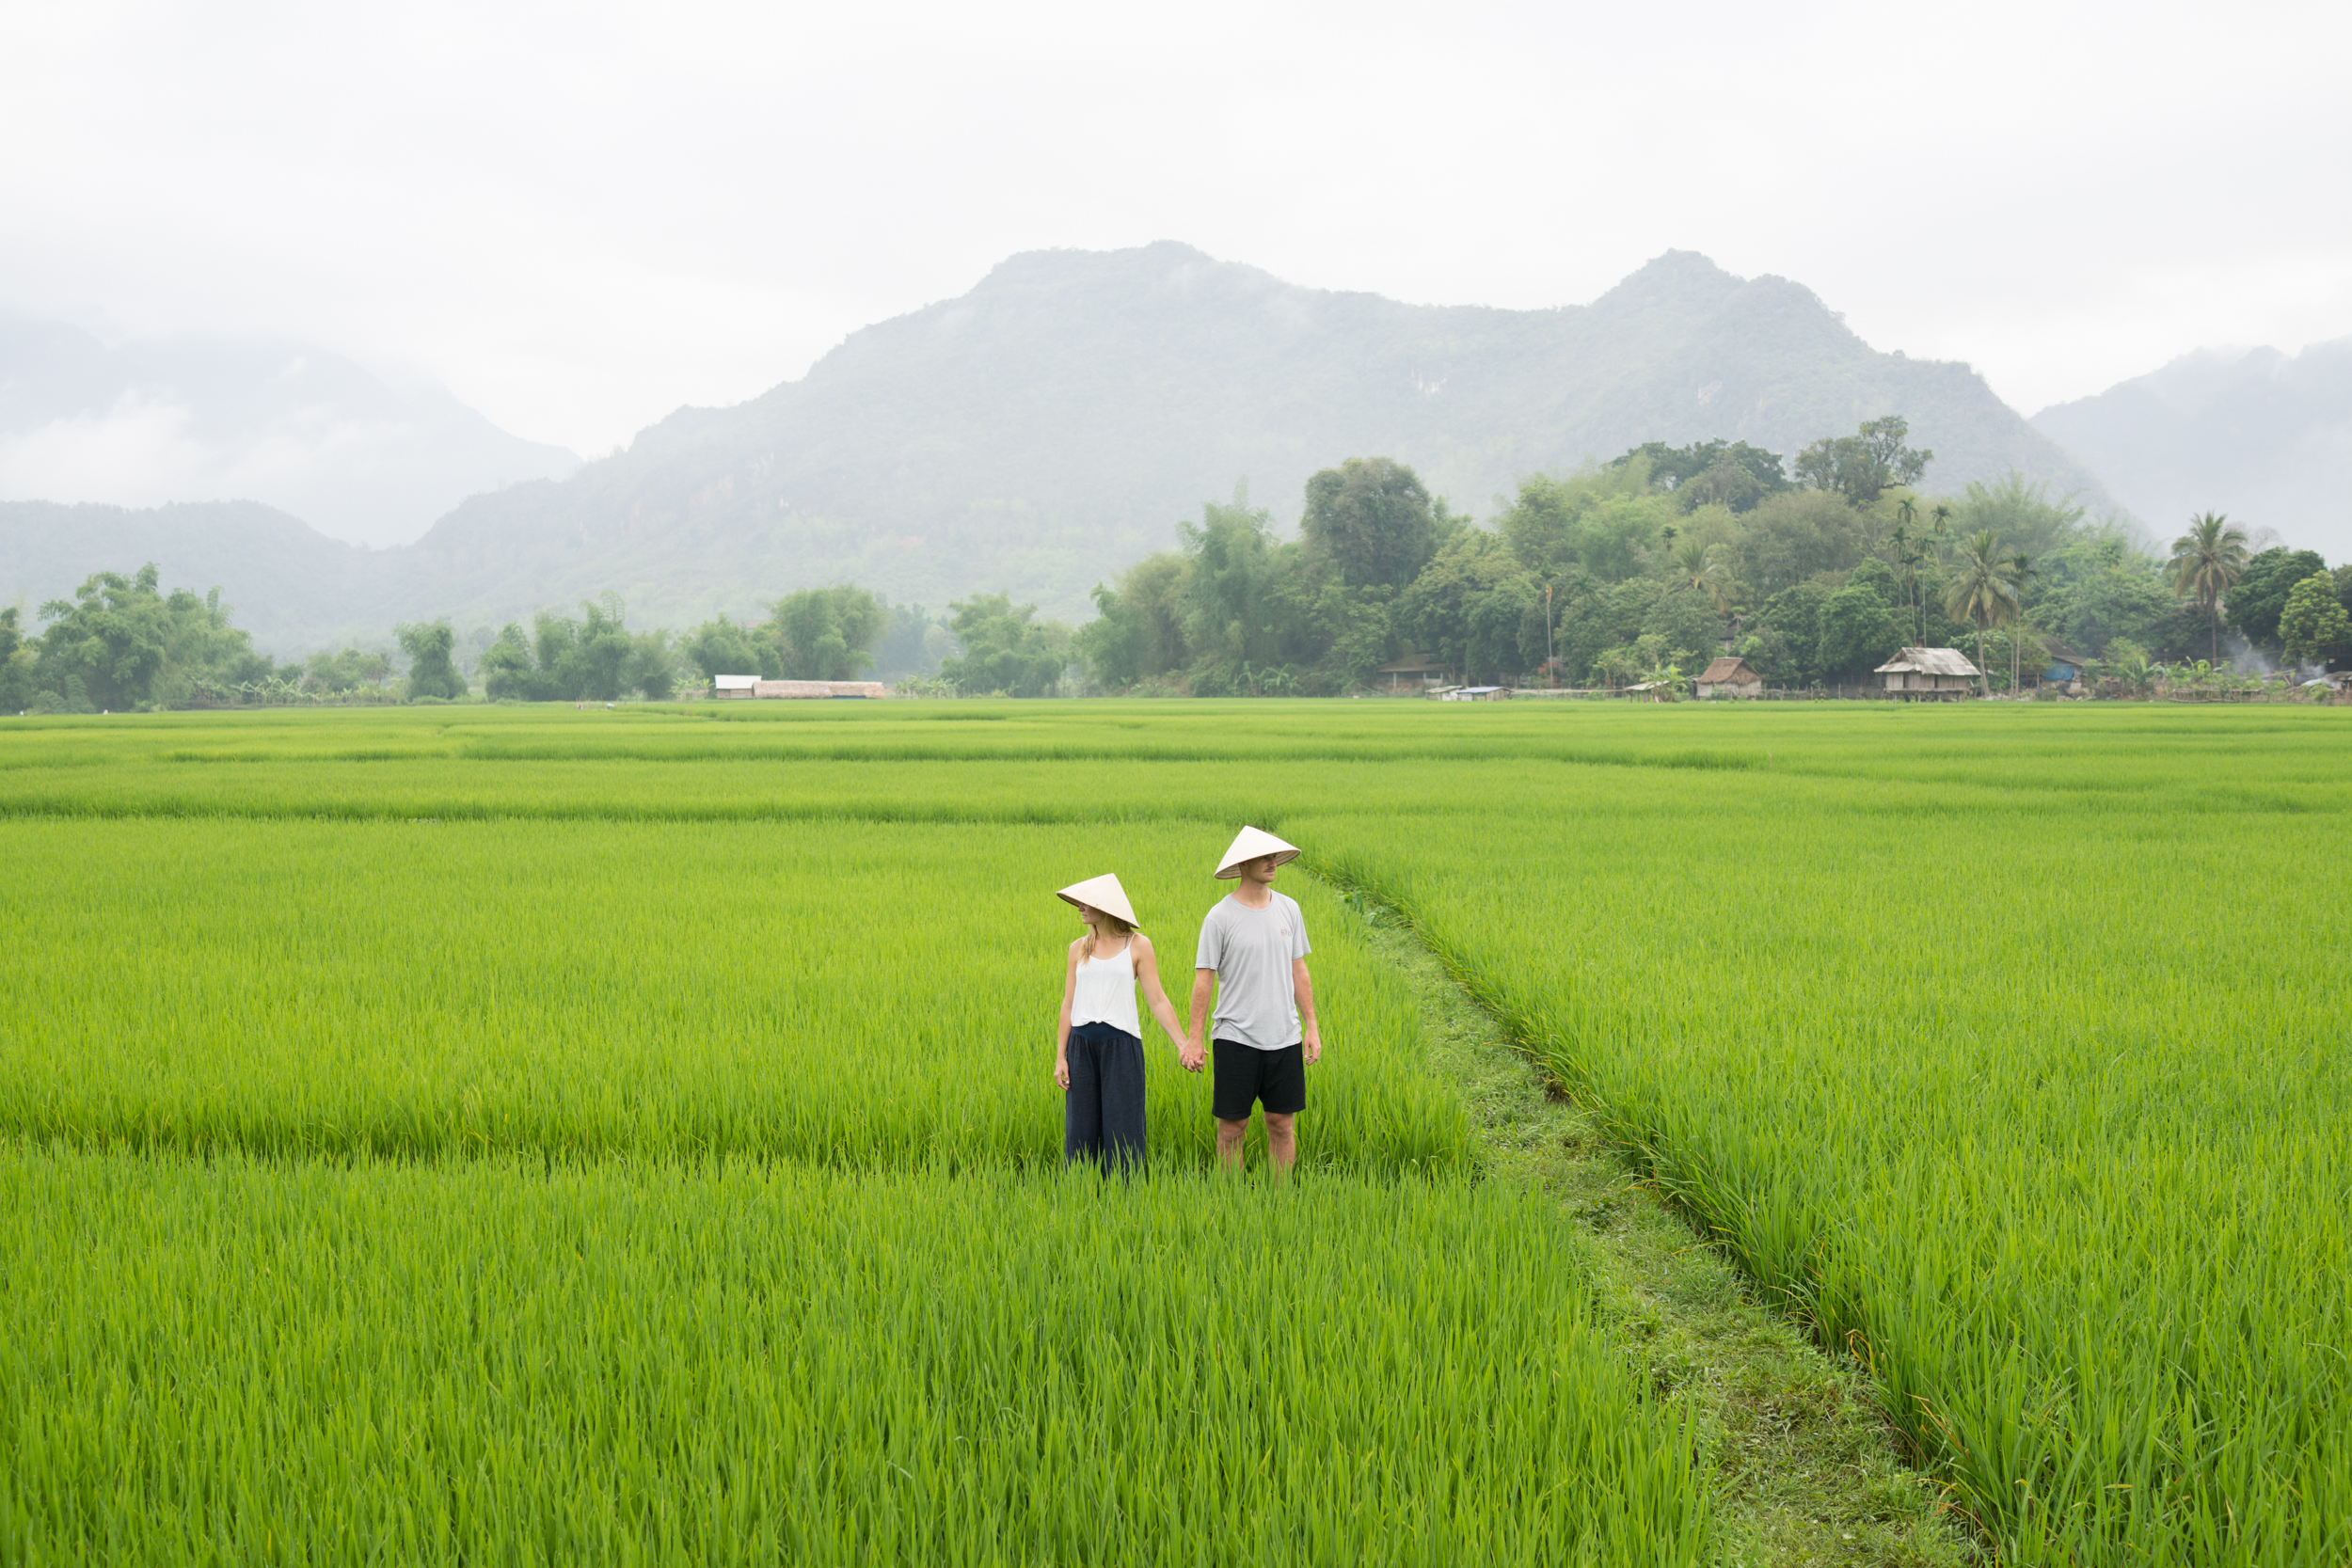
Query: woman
(1098, 1049)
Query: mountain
(291, 426)
(2252, 432)
(1042, 431)
(289, 585)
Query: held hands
(1314, 1044)
(1192, 1054)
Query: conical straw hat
(1102, 893)
(1248, 845)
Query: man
(1253, 952)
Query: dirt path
(1806, 1470)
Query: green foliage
(720, 647)
(346, 671)
(18, 659)
(2207, 562)
(1477, 610)
(652, 666)
(2259, 597)
(1367, 522)
(1137, 633)
(1785, 647)
(121, 643)
(431, 671)
(1983, 586)
(912, 642)
(826, 634)
(2097, 589)
(593, 659)
(2314, 627)
(1606, 524)
(1005, 650)
(506, 667)
(1238, 585)
(1857, 633)
(1638, 549)
(1866, 465)
(1795, 537)
(1681, 629)
(1730, 474)
(2020, 510)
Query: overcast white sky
(580, 217)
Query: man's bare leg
(1281, 1141)
(1229, 1136)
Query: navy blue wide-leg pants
(1103, 1111)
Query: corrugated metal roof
(1928, 661)
(2061, 653)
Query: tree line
(1814, 570)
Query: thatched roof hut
(1928, 672)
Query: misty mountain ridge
(1051, 426)
(291, 426)
(2262, 436)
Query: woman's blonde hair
(1097, 921)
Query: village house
(819, 689)
(2067, 667)
(1937, 675)
(752, 686)
(1729, 677)
(1420, 667)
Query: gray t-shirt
(1251, 951)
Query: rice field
(504, 1360)
(867, 996)
(516, 1135)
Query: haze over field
(1053, 425)
(360, 457)
(229, 225)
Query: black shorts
(1247, 1075)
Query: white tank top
(1105, 992)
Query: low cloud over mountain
(1055, 423)
(2253, 433)
(309, 433)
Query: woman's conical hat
(1248, 845)
(1102, 893)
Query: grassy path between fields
(1805, 1469)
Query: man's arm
(1305, 987)
(1196, 1049)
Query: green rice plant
(1105, 762)
(2038, 1105)
(510, 1361)
(2002, 1042)
(853, 993)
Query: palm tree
(1984, 590)
(1696, 566)
(2207, 560)
(2025, 570)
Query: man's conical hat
(1248, 845)
(1102, 893)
